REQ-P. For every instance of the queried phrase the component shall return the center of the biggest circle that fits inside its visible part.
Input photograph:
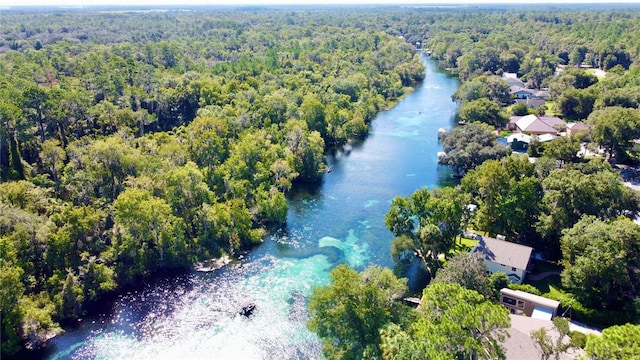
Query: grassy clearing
(550, 109)
(462, 245)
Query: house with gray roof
(531, 102)
(504, 256)
(512, 79)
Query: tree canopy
(124, 151)
(349, 313)
(599, 259)
(466, 147)
(453, 322)
(426, 223)
(616, 342)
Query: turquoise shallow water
(338, 221)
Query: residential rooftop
(504, 252)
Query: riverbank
(338, 220)
(212, 264)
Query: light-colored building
(524, 303)
(519, 92)
(534, 125)
(575, 128)
(503, 256)
(512, 79)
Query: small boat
(247, 309)
(329, 169)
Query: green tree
(468, 146)
(313, 113)
(598, 257)
(616, 342)
(16, 168)
(147, 235)
(468, 271)
(563, 148)
(497, 281)
(453, 323)
(308, 150)
(546, 344)
(571, 193)
(507, 193)
(37, 323)
(576, 104)
(185, 191)
(226, 226)
(520, 109)
(615, 128)
(53, 156)
(431, 220)
(492, 88)
(483, 110)
(70, 298)
(11, 290)
(348, 313)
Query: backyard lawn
(551, 287)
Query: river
(340, 220)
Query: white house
(503, 256)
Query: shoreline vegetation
(134, 144)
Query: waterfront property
(524, 303)
(503, 256)
(534, 125)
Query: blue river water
(341, 220)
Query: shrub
(578, 339)
(526, 288)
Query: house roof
(515, 89)
(533, 124)
(531, 103)
(542, 94)
(518, 137)
(519, 345)
(509, 75)
(552, 120)
(536, 299)
(504, 252)
(546, 137)
(512, 79)
(577, 126)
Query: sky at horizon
(9, 3)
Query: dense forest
(132, 143)
(135, 142)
